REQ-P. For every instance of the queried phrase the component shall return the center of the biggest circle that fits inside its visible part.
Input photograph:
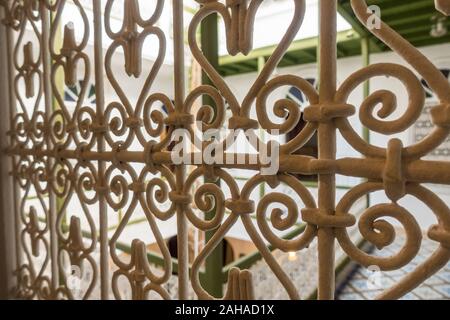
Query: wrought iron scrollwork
(87, 154)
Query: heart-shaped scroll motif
(31, 274)
(238, 17)
(131, 39)
(148, 194)
(210, 196)
(28, 89)
(77, 263)
(36, 178)
(75, 255)
(27, 13)
(70, 125)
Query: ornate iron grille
(62, 154)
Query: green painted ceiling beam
(298, 45)
(341, 52)
(420, 28)
(410, 19)
(309, 54)
(290, 58)
(349, 16)
(406, 6)
(435, 41)
(300, 52)
(422, 37)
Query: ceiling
(411, 19)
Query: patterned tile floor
(366, 284)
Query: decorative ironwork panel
(111, 153)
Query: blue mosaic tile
(365, 272)
(419, 259)
(409, 268)
(427, 293)
(358, 275)
(359, 287)
(389, 251)
(371, 295)
(434, 280)
(387, 282)
(444, 289)
(359, 284)
(414, 263)
(444, 276)
(397, 245)
(429, 252)
(410, 296)
(396, 274)
(351, 296)
(346, 289)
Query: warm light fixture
(438, 28)
(292, 256)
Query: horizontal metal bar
(298, 45)
(414, 171)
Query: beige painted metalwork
(61, 154)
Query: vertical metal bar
(214, 262)
(327, 145)
(13, 111)
(8, 246)
(179, 85)
(46, 63)
(261, 63)
(100, 105)
(59, 80)
(365, 52)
